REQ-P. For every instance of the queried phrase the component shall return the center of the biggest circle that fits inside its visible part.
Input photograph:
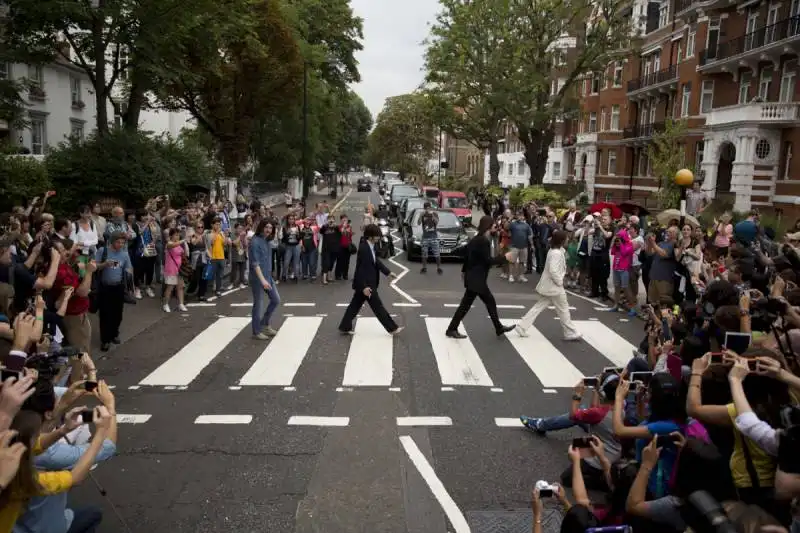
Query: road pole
(439, 170)
(306, 178)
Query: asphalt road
(318, 432)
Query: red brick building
(730, 69)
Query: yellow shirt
(764, 464)
(49, 483)
(217, 246)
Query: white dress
(551, 291)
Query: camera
(546, 490)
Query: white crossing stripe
(457, 359)
(508, 423)
(299, 304)
(223, 419)
(183, 367)
(369, 361)
(410, 421)
(322, 421)
(606, 341)
(281, 359)
(133, 419)
(551, 367)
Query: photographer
(24, 282)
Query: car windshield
(447, 219)
(455, 202)
(403, 192)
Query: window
(76, 130)
(663, 14)
(690, 40)
(751, 39)
(612, 163)
(615, 117)
(603, 119)
(787, 159)
(712, 38)
(788, 81)
(744, 86)
(653, 108)
(699, 149)
(123, 63)
(38, 136)
(592, 122)
(607, 197)
(764, 83)
(707, 96)
(618, 74)
(644, 164)
(75, 89)
(521, 168)
(556, 169)
(553, 85)
(500, 172)
(685, 98)
(596, 83)
(678, 53)
(511, 169)
(772, 19)
(36, 75)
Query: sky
(392, 59)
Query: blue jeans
(86, 519)
(291, 256)
(261, 321)
(219, 269)
(308, 262)
(558, 422)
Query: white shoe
(137, 294)
(503, 275)
(166, 308)
(520, 331)
(182, 308)
(229, 287)
(523, 279)
(150, 292)
(511, 279)
(573, 337)
(242, 285)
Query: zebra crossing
(371, 355)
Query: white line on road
(281, 359)
(457, 359)
(369, 360)
(345, 197)
(321, 421)
(223, 419)
(299, 304)
(606, 341)
(396, 280)
(496, 389)
(342, 304)
(411, 421)
(133, 419)
(553, 307)
(508, 423)
(406, 304)
(499, 306)
(546, 361)
(242, 304)
(183, 367)
(200, 304)
(425, 469)
(394, 389)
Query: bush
(21, 179)
(128, 167)
(536, 193)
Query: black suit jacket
(478, 262)
(368, 270)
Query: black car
(451, 234)
(398, 194)
(364, 185)
(408, 205)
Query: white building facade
(515, 172)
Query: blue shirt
(49, 514)
(260, 253)
(112, 275)
(521, 233)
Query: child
(573, 263)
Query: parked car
(364, 185)
(409, 204)
(451, 234)
(398, 193)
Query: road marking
(322, 421)
(396, 280)
(457, 359)
(200, 304)
(606, 341)
(134, 387)
(546, 361)
(170, 387)
(369, 360)
(223, 419)
(451, 510)
(234, 387)
(133, 419)
(345, 197)
(344, 389)
(499, 306)
(553, 307)
(299, 304)
(342, 304)
(406, 304)
(582, 297)
(410, 421)
(508, 423)
(394, 389)
(242, 304)
(550, 391)
(281, 359)
(230, 291)
(448, 389)
(183, 367)
(290, 389)
(496, 389)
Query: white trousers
(562, 311)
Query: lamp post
(684, 179)
(304, 156)
(439, 171)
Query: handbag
(352, 249)
(208, 272)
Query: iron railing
(654, 78)
(764, 36)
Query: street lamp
(684, 179)
(306, 177)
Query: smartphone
(6, 373)
(90, 386)
(581, 442)
(752, 364)
(717, 358)
(87, 416)
(737, 342)
(642, 377)
(614, 369)
(634, 387)
(590, 382)
(665, 440)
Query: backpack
(76, 227)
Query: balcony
(642, 131)
(654, 82)
(760, 113)
(684, 8)
(766, 43)
(586, 138)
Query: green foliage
(403, 137)
(667, 156)
(522, 195)
(130, 167)
(21, 179)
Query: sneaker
(573, 337)
(261, 337)
(166, 308)
(439, 270)
(242, 285)
(511, 279)
(137, 293)
(269, 331)
(150, 293)
(532, 424)
(503, 275)
(229, 287)
(632, 313)
(182, 308)
(523, 279)
(520, 331)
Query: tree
(355, 126)
(667, 156)
(499, 58)
(403, 134)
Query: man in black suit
(365, 284)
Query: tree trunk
(494, 163)
(100, 89)
(537, 149)
(136, 100)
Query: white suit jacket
(555, 268)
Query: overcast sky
(392, 59)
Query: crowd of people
(701, 429)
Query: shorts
(430, 246)
(621, 279)
(171, 280)
(518, 255)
